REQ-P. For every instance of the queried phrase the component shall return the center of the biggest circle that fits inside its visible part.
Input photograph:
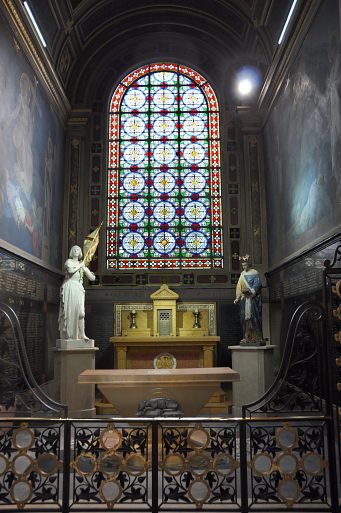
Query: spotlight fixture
(35, 24)
(248, 80)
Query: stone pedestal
(256, 368)
(71, 358)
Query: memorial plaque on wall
(33, 293)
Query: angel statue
(72, 293)
(248, 296)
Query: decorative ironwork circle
(287, 463)
(199, 463)
(110, 464)
(262, 464)
(199, 491)
(174, 464)
(198, 438)
(110, 491)
(287, 437)
(23, 438)
(313, 464)
(135, 465)
(47, 463)
(224, 464)
(85, 464)
(22, 464)
(111, 439)
(288, 490)
(21, 492)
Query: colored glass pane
(164, 203)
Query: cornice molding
(38, 59)
(284, 57)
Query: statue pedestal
(255, 365)
(71, 358)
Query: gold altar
(146, 333)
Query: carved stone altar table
(126, 388)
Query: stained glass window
(164, 194)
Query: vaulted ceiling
(92, 43)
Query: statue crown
(244, 258)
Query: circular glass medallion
(47, 463)
(133, 183)
(164, 212)
(224, 464)
(164, 242)
(198, 438)
(288, 490)
(174, 464)
(194, 182)
(312, 463)
(133, 243)
(193, 98)
(164, 153)
(3, 464)
(164, 182)
(196, 242)
(110, 464)
(198, 463)
(22, 464)
(135, 465)
(262, 464)
(133, 212)
(134, 154)
(21, 492)
(195, 211)
(134, 99)
(110, 491)
(286, 437)
(163, 98)
(194, 153)
(287, 463)
(193, 126)
(134, 126)
(23, 438)
(163, 126)
(111, 439)
(85, 464)
(199, 491)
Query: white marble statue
(72, 296)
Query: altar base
(191, 388)
(70, 359)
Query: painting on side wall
(304, 143)
(31, 154)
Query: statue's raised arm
(72, 297)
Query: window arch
(164, 192)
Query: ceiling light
(35, 24)
(248, 79)
(244, 86)
(293, 5)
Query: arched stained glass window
(164, 194)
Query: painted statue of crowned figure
(248, 297)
